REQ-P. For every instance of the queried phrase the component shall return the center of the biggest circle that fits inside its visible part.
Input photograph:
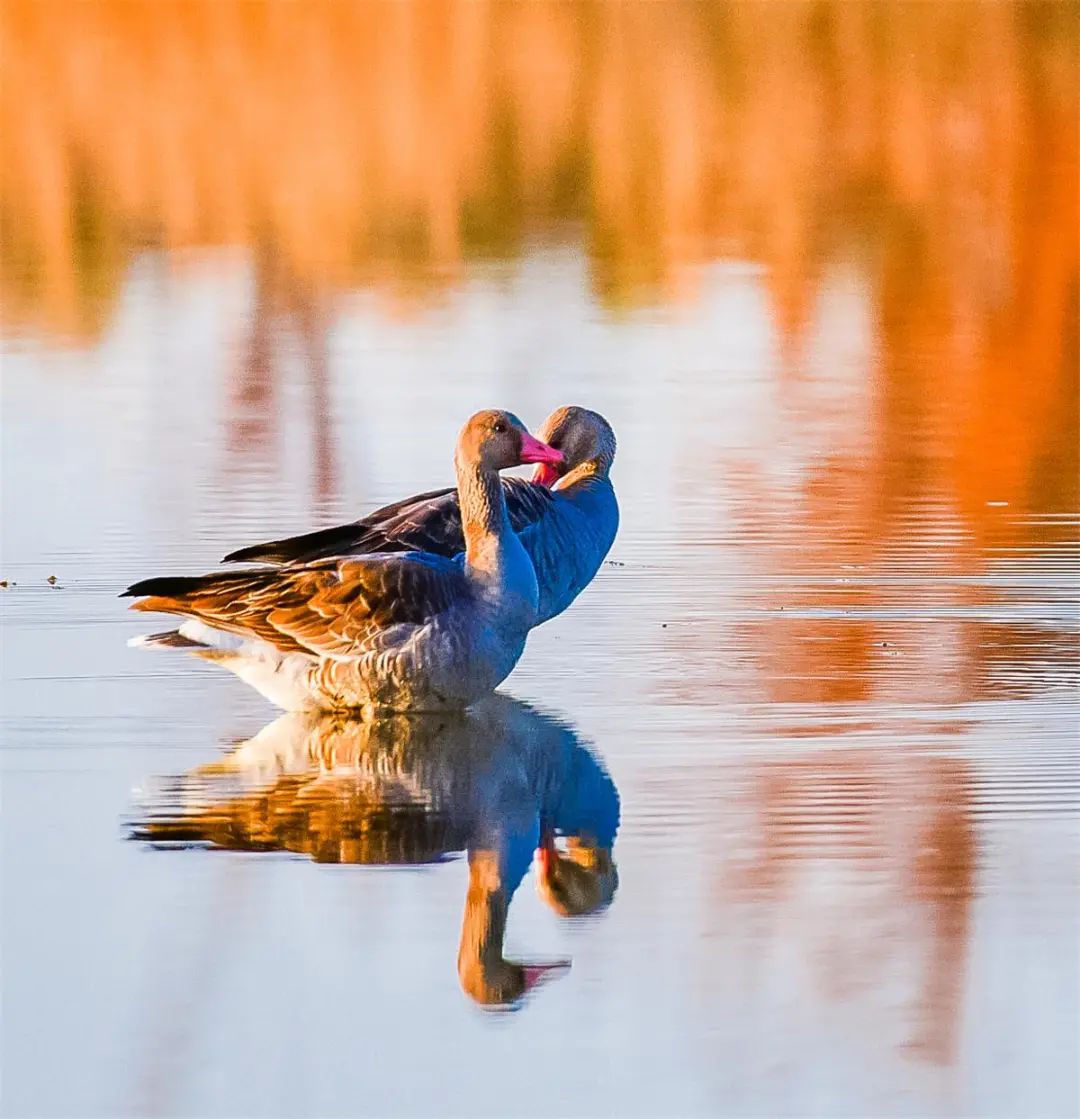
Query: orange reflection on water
(935, 142)
(894, 837)
(932, 147)
(928, 149)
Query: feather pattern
(407, 630)
(334, 608)
(427, 522)
(566, 533)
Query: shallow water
(827, 683)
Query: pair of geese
(426, 604)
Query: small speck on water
(997, 504)
(52, 580)
(3, 582)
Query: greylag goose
(567, 531)
(410, 789)
(408, 631)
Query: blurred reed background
(932, 147)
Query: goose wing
(336, 608)
(429, 522)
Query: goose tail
(169, 639)
(165, 586)
(180, 594)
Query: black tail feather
(258, 553)
(165, 586)
(310, 546)
(181, 586)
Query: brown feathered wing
(336, 608)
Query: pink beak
(532, 450)
(536, 973)
(545, 475)
(546, 855)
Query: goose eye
(499, 427)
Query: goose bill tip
(532, 450)
(537, 973)
(545, 475)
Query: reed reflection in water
(929, 151)
(498, 782)
(885, 944)
(930, 148)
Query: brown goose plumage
(412, 631)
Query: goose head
(495, 440)
(578, 881)
(486, 976)
(583, 437)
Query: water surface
(811, 265)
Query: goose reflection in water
(500, 782)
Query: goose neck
(482, 969)
(484, 519)
(594, 468)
